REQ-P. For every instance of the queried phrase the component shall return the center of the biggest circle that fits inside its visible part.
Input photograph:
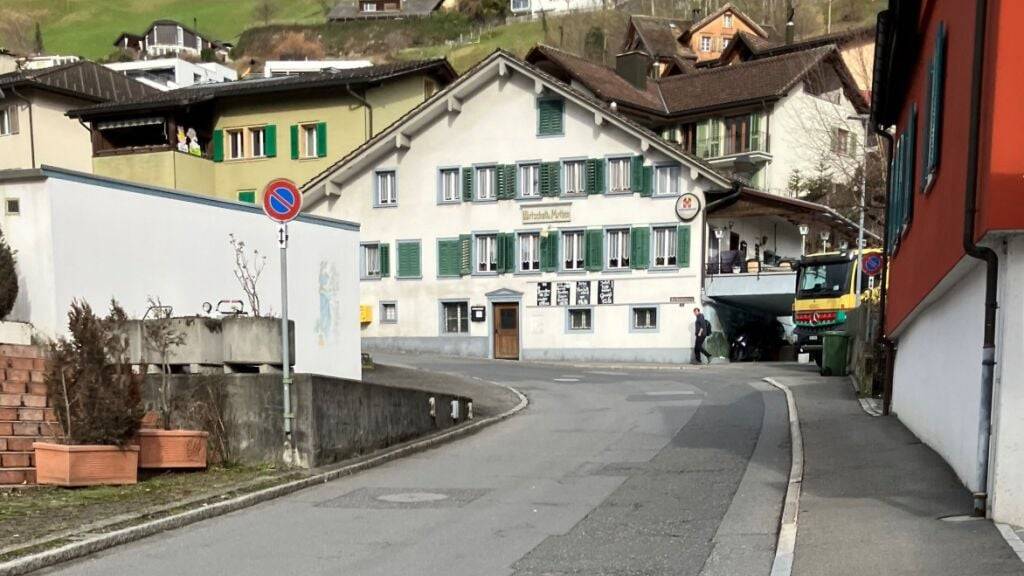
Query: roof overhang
(499, 64)
(751, 203)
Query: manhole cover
(412, 497)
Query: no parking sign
(282, 200)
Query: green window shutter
(550, 179)
(385, 260)
(908, 178)
(755, 131)
(270, 140)
(590, 176)
(465, 254)
(602, 169)
(449, 254)
(640, 248)
(321, 139)
(550, 113)
(501, 254)
(506, 253)
(467, 184)
(647, 186)
(594, 250)
(636, 173)
(935, 97)
(513, 179)
(595, 176)
(506, 175)
(218, 145)
(408, 260)
(702, 138)
(549, 252)
(294, 132)
(683, 246)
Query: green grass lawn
(517, 38)
(89, 27)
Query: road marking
(566, 379)
(672, 393)
(1012, 539)
(412, 497)
(602, 373)
(788, 524)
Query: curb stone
(1011, 537)
(788, 524)
(100, 542)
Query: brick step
(23, 400)
(18, 459)
(22, 443)
(32, 428)
(17, 476)
(22, 351)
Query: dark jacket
(702, 327)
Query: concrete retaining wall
(335, 419)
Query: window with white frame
(309, 141)
(236, 144)
(841, 141)
(371, 261)
(8, 121)
(666, 180)
(529, 251)
(618, 175)
(580, 319)
(13, 207)
(389, 312)
(258, 141)
(529, 181)
(645, 318)
(486, 183)
(520, 5)
(665, 246)
(617, 242)
(727, 21)
(575, 177)
(572, 250)
(450, 191)
(455, 317)
(487, 253)
(387, 188)
(705, 43)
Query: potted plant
(163, 447)
(97, 399)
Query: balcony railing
(718, 147)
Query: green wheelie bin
(834, 352)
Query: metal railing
(715, 147)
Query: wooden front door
(506, 331)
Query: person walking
(701, 329)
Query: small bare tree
(264, 11)
(248, 273)
(161, 336)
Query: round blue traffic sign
(282, 200)
(872, 264)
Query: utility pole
(863, 119)
(828, 25)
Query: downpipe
(884, 345)
(991, 259)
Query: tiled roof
(206, 92)
(82, 79)
(661, 35)
(761, 47)
(349, 10)
(745, 81)
(604, 82)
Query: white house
(511, 216)
(535, 7)
(93, 238)
(170, 73)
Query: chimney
(695, 14)
(634, 67)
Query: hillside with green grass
(89, 27)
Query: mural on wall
(327, 319)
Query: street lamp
(824, 240)
(804, 229)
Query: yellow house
(229, 139)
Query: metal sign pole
(286, 380)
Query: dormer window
(727, 20)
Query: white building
(512, 216)
(273, 68)
(93, 238)
(170, 73)
(535, 7)
(46, 61)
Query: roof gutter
(991, 259)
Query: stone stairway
(25, 416)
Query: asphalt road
(607, 472)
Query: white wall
(498, 125)
(59, 140)
(801, 125)
(937, 375)
(783, 235)
(94, 239)
(1008, 425)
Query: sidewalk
(873, 496)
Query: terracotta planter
(83, 465)
(172, 448)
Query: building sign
(478, 313)
(562, 295)
(687, 206)
(546, 213)
(583, 292)
(544, 294)
(606, 292)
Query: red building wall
(932, 245)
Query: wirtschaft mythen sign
(547, 213)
